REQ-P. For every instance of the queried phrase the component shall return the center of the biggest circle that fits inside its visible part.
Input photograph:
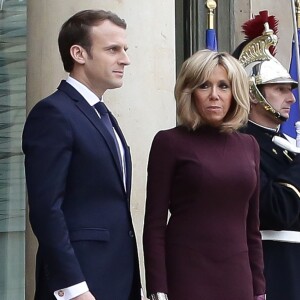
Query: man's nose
(124, 60)
(291, 98)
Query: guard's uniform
(279, 169)
(279, 216)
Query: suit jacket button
(131, 233)
(60, 293)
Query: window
(12, 117)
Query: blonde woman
(205, 174)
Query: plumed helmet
(255, 54)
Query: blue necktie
(102, 110)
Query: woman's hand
(260, 297)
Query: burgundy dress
(210, 249)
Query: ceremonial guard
(271, 99)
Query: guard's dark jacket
(279, 210)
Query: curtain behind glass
(12, 117)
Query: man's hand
(85, 296)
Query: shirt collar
(84, 91)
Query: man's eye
(286, 89)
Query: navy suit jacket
(78, 205)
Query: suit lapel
(91, 114)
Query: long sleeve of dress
(253, 235)
(160, 169)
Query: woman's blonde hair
(195, 71)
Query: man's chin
(285, 115)
(116, 85)
(284, 112)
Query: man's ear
(78, 53)
(253, 99)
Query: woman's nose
(214, 93)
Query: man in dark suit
(78, 171)
(271, 99)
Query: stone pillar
(145, 103)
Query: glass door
(12, 117)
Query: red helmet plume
(255, 27)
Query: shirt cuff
(71, 291)
(159, 296)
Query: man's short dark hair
(76, 31)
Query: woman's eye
(224, 86)
(203, 86)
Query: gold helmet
(261, 66)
